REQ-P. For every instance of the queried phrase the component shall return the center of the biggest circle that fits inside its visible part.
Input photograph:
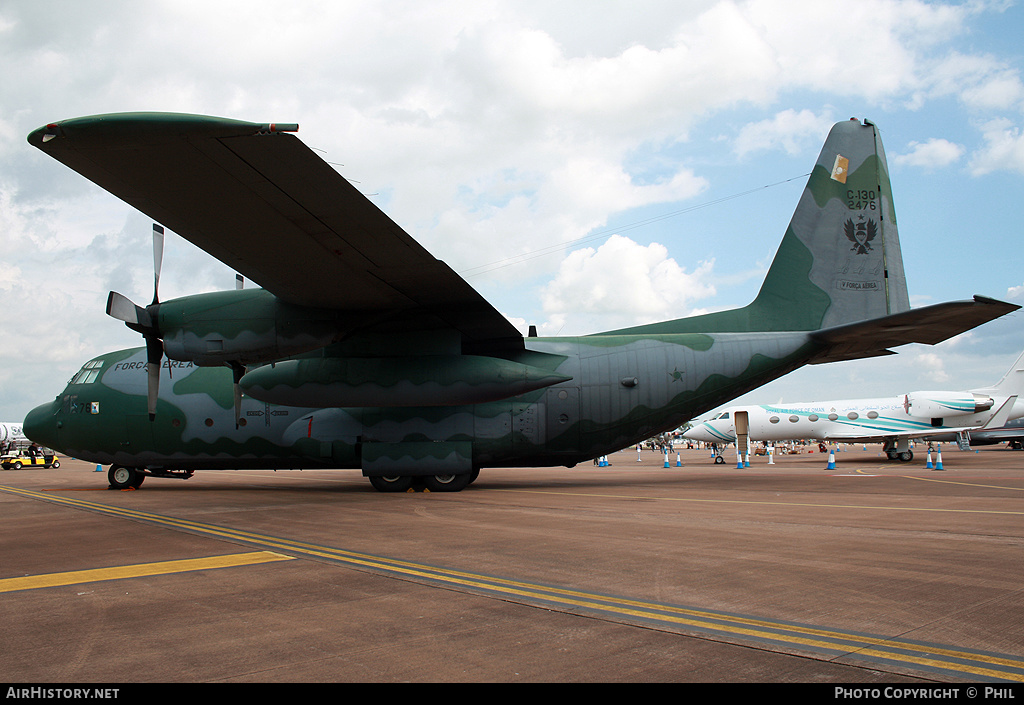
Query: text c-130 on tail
(361, 350)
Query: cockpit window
(89, 372)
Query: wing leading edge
(262, 202)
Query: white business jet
(893, 421)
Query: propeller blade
(154, 356)
(152, 388)
(237, 371)
(124, 309)
(144, 320)
(158, 259)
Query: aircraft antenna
(558, 247)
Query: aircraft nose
(41, 426)
(697, 433)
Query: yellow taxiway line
(828, 643)
(75, 577)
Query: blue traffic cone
(666, 457)
(831, 460)
(679, 462)
(928, 465)
(99, 468)
(938, 462)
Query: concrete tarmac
(866, 573)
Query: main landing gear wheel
(122, 478)
(392, 483)
(904, 456)
(448, 483)
(719, 460)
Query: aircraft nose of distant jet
(699, 433)
(712, 431)
(41, 426)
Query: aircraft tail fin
(1012, 382)
(839, 261)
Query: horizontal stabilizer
(1002, 415)
(928, 325)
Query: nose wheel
(123, 478)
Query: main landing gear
(432, 483)
(903, 456)
(898, 449)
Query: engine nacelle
(247, 326)
(940, 405)
(420, 380)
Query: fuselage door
(742, 425)
(562, 419)
(138, 436)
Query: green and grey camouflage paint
(444, 399)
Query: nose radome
(41, 426)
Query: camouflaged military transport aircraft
(363, 351)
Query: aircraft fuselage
(621, 389)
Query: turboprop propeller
(144, 320)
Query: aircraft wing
(851, 437)
(928, 325)
(262, 202)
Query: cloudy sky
(585, 165)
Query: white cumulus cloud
(789, 130)
(932, 154)
(1004, 148)
(622, 283)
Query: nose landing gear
(123, 478)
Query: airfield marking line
(760, 502)
(829, 644)
(967, 484)
(75, 577)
